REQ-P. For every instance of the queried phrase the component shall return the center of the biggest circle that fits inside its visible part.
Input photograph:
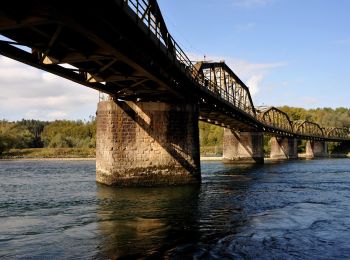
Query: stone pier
(284, 148)
(147, 143)
(243, 147)
(315, 149)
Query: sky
(294, 53)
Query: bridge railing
(337, 132)
(152, 18)
(276, 118)
(148, 12)
(142, 8)
(305, 127)
(223, 93)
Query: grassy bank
(206, 151)
(214, 150)
(49, 153)
(79, 152)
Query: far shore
(48, 159)
(205, 158)
(202, 158)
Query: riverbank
(49, 153)
(80, 159)
(89, 154)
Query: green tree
(65, 133)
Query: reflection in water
(135, 222)
(165, 222)
(295, 209)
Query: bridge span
(147, 134)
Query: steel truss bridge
(123, 48)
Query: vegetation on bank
(27, 134)
(325, 117)
(211, 135)
(49, 153)
(65, 138)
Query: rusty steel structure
(279, 120)
(220, 79)
(304, 127)
(123, 48)
(341, 132)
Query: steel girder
(337, 132)
(221, 80)
(274, 117)
(308, 128)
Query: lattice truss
(274, 117)
(308, 128)
(220, 79)
(340, 132)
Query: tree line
(325, 117)
(39, 134)
(211, 135)
(82, 134)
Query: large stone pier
(147, 143)
(283, 148)
(243, 147)
(316, 149)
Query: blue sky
(294, 53)
(297, 51)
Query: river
(293, 210)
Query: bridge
(147, 133)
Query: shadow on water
(294, 209)
(136, 222)
(173, 221)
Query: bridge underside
(102, 45)
(105, 47)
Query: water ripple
(292, 210)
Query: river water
(292, 210)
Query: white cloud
(244, 27)
(253, 82)
(26, 92)
(58, 114)
(252, 74)
(246, 69)
(308, 101)
(345, 41)
(250, 3)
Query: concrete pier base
(243, 147)
(147, 143)
(284, 148)
(316, 149)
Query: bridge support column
(284, 148)
(147, 143)
(243, 147)
(315, 149)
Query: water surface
(293, 210)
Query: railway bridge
(147, 133)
